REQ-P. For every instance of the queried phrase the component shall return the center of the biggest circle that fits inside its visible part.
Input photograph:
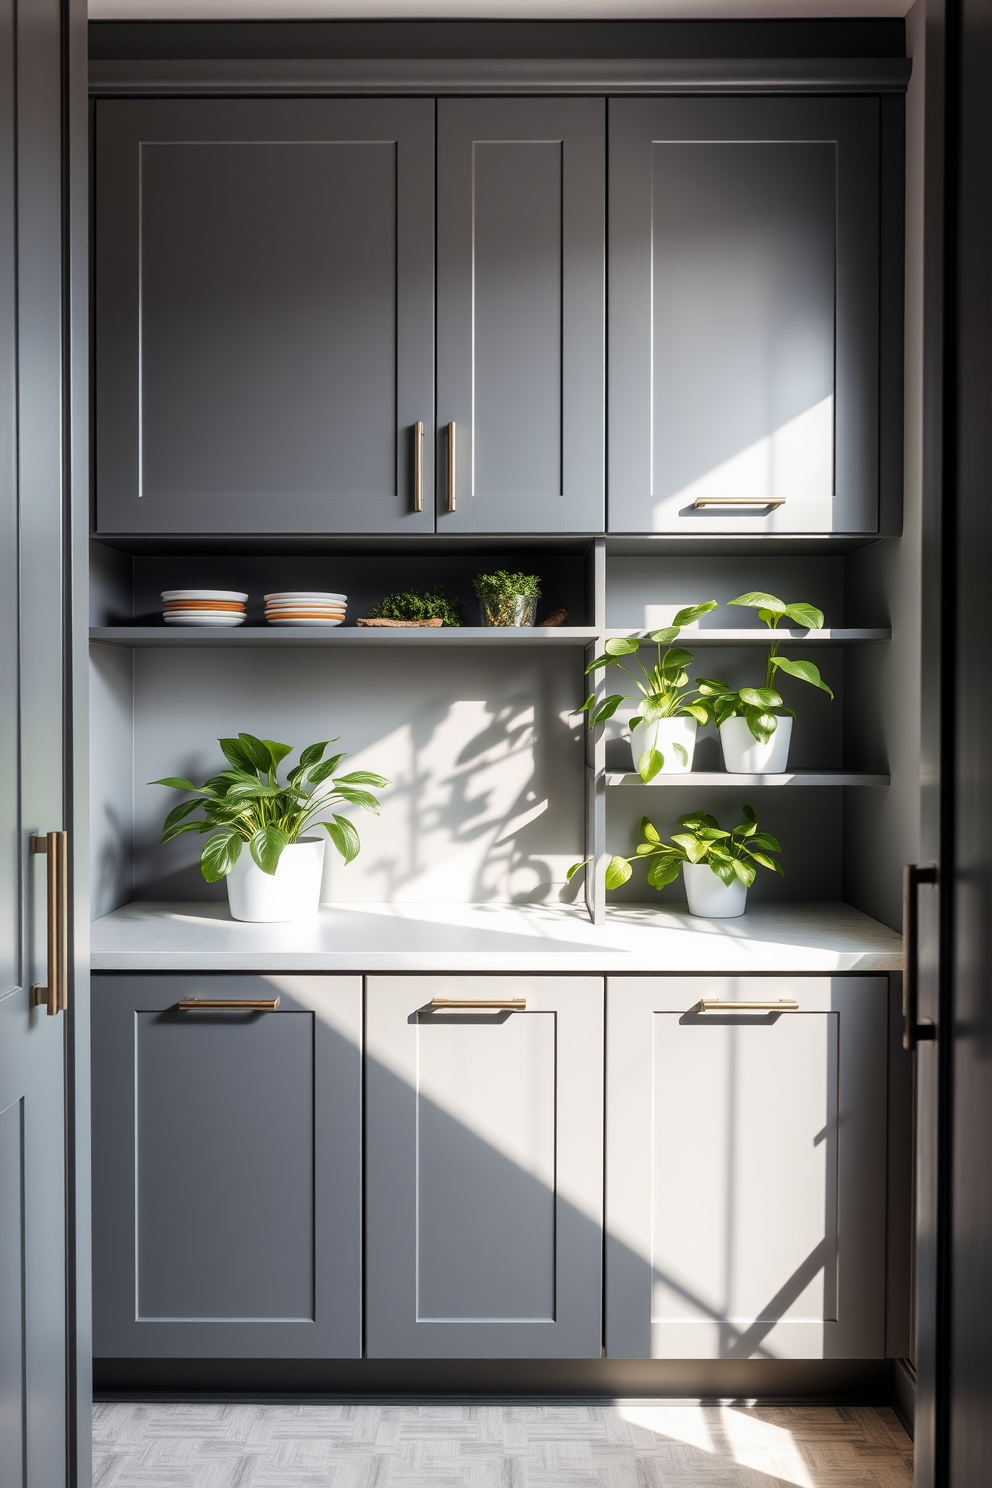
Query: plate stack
(305, 607)
(213, 607)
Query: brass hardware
(514, 1004)
(914, 1030)
(715, 1005)
(230, 1004)
(452, 498)
(418, 466)
(55, 996)
(740, 501)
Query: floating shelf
(737, 635)
(344, 635)
(721, 777)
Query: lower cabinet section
(746, 1168)
(227, 1184)
(484, 1131)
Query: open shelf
(738, 635)
(344, 635)
(721, 777)
(496, 937)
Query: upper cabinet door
(264, 314)
(521, 285)
(744, 315)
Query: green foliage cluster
(504, 585)
(247, 803)
(419, 604)
(730, 855)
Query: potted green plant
(278, 878)
(667, 716)
(754, 724)
(508, 599)
(718, 867)
(416, 607)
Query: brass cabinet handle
(55, 845)
(418, 466)
(714, 1005)
(452, 496)
(230, 1004)
(913, 1031)
(740, 501)
(515, 1004)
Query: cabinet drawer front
(484, 1129)
(746, 1168)
(744, 356)
(227, 1167)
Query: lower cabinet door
(484, 1127)
(227, 1190)
(745, 1192)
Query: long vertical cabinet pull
(418, 466)
(452, 492)
(913, 1031)
(55, 845)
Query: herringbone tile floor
(498, 1446)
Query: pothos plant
(736, 854)
(662, 687)
(763, 706)
(248, 804)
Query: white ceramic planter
(661, 736)
(743, 754)
(709, 897)
(291, 893)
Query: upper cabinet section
(264, 314)
(744, 315)
(521, 301)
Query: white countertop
(495, 937)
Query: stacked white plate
(305, 607)
(211, 607)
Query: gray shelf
(721, 777)
(738, 635)
(344, 635)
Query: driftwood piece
(403, 624)
(557, 617)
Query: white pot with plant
(663, 727)
(508, 599)
(754, 724)
(278, 878)
(717, 867)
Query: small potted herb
(508, 599)
(278, 878)
(717, 867)
(415, 607)
(667, 716)
(755, 726)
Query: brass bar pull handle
(739, 501)
(418, 466)
(452, 492)
(230, 1004)
(514, 1004)
(913, 1031)
(714, 1005)
(55, 846)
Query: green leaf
(713, 687)
(589, 702)
(219, 855)
(649, 764)
(323, 772)
(682, 752)
(665, 637)
(256, 752)
(675, 659)
(600, 661)
(659, 705)
(607, 708)
(804, 670)
(313, 753)
(744, 872)
(694, 850)
(649, 830)
(364, 777)
(623, 645)
(360, 798)
(767, 862)
(175, 782)
(761, 724)
(573, 870)
(345, 837)
(179, 813)
(765, 841)
(755, 599)
(806, 615)
(664, 871)
(177, 831)
(618, 871)
(266, 848)
(693, 612)
(698, 711)
(724, 869)
(277, 752)
(697, 819)
(217, 785)
(760, 697)
(234, 753)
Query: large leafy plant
(662, 687)
(736, 854)
(763, 706)
(248, 804)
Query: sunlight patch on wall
(794, 460)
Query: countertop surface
(495, 938)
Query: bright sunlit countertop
(409, 937)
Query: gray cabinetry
(264, 314)
(227, 1168)
(521, 328)
(484, 1168)
(746, 1151)
(744, 314)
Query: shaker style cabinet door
(484, 1139)
(521, 286)
(264, 314)
(227, 1183)
(746, 1163)
(744, 315)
